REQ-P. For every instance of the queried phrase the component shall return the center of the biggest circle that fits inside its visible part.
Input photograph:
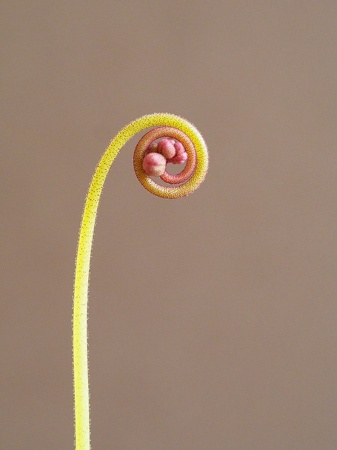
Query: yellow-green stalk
(80, 351)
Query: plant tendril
(181, 137)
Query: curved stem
(80, 352)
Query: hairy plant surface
(172, 140)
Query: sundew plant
(171, 140)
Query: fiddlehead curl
(179, 142)
(151, 158)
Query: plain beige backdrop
(212, 318)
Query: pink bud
(154, 164)
(166, 148)
(179, 148)
(180, 159)
(181, 155)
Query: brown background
(213, 318)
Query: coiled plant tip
(172, 140)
